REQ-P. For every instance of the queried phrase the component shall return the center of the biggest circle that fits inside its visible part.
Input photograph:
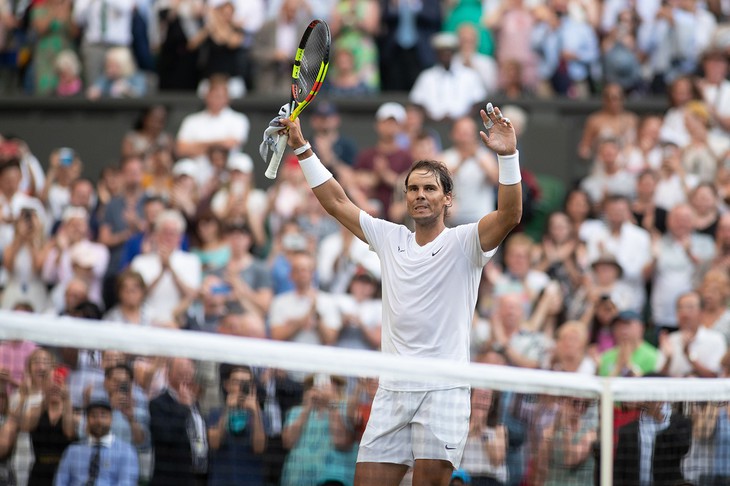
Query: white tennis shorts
(405, 426)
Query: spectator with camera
(236, 431)
(13, 199)
(22, 262)
(130, 415)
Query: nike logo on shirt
(434, 253)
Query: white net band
(79, 333)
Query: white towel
(267, 149)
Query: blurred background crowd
(129, 48)
(624, 272)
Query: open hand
(499, 134)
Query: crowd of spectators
(516, 48)
(629, 275)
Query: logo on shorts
(449, 448)
(401, 250)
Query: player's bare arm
(500, 137)
(330, 193)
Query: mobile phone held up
(66, 156)
(221, 289)
(60, 374)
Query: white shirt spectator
(475, 194)
(335, 266)
(291, 305)
(675, 274)
(486, 68)
(206, 127)
(59, 270)
(670, 190)
(463, 85)
(165, 296)
(10, 210)
(250, 14)
(105, 21)
(707, 348)
(370, 313)
(599, 185)
(632, 250)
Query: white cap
(393, 110)
(186, 167)
(83, 254)
(72, 212)
(218, 3)
(240, 162)
(445, 40)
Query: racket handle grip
(275, 161)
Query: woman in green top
(55, 31)
(354, 25)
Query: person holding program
(423, 424)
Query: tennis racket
(310, 67)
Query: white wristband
(302, 149)
(314, 171)
(509, 169)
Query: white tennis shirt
(429, 293)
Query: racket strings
(315, 53)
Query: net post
(606, 417)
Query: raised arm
(500, 137)
(329, 192)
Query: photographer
(22, 260)
(236, 433)
(130, 416)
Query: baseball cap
(445, 40)
(363, 274)
(294, 242)
(393, 110)
(461, 474)
(99, 402)
(626, 316)
(73, 212)
(240, 162)
(83, 255)
(608, 259)
(324, 108)
(218, 3)
(186, 167)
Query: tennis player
(430, 281)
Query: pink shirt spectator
(513, 42)
(13, 355)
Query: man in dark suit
(178, 430)
(650, 450)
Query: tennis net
(528, 427)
